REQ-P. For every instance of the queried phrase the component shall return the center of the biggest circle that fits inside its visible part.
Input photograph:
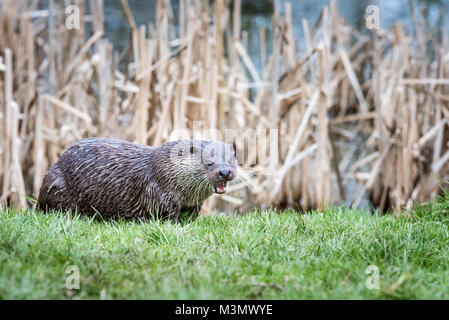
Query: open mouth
(220, 187)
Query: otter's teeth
(220, 188)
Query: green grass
(262, 255)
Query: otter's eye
(209, 164)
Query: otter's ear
(193, 147)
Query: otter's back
(97, 174)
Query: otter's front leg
(164, 211)
(169, 209)
(190, 212)
(160, 205)
(173, 212)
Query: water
(257, 14)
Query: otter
(115, 178)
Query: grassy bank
(261, 255)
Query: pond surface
(257, 14)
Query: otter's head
(207, 164)
(219, 162)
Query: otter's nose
(225, 174)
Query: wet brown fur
(114, 178)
